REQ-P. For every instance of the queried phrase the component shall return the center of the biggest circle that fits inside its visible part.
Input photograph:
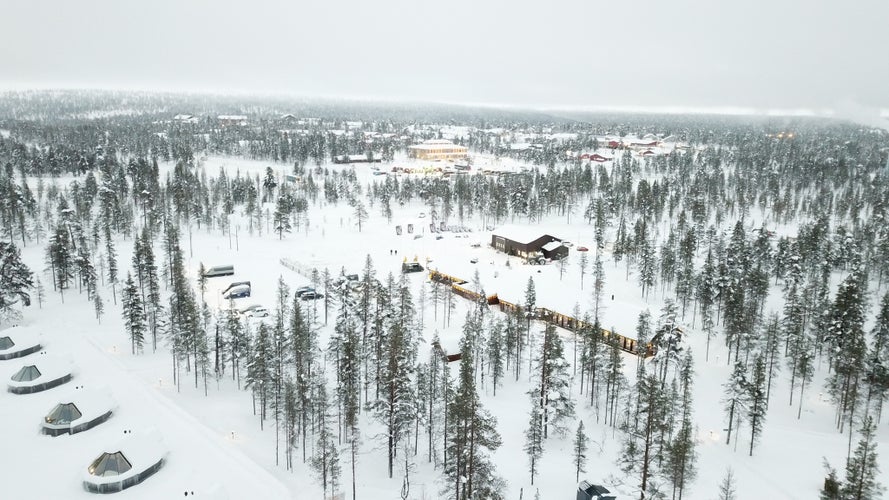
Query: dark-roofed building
(521, 241)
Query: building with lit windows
(437, 150)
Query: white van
(219, 271)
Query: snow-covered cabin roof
(552, 245)
(519, 234)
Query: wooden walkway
(555, 318)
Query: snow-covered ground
(215, 443)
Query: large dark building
(524, 241)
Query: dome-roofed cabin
(78, 411)
(42, 374)
(18, 341)
(126, 464)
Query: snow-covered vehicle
(259, 312)
(237, 292)
(215, 271)
(78, 411)
(303, 290)
(18, 341)
(313, 295)
(127, 463)
(249, 308)
(44, 372)
(234, 285)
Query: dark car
(311, 295)
(237, 292)
(303, 290)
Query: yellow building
(438, 150)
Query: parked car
(215, 271)
(249, 308)
(259, 312)
(313, 295)
(234, 284)
(567, 243)
(237, 292)
(583, 249)
(303, 290)
(474, 260)
(422, 215)
(411, 267)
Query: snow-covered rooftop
(552, 245)
(519, 234)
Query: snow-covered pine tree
(681, 456)
(15, 280)
(237, 340)
(202, 280)
(290, 420)
(598, 285)
(98, 306)
(727, 486)
(134, 318)
(534, 436)
(862, 469)
(303, 346)
(59, 259)
(326, 460)
(639, 459)
(705, 292)
(580, 447)
(847, 343)
(393, 409)
(495, 353)
(877, 376)
(756, 400)
(771, 351)
(111, 256)
(259, 371)
(647, 265)
(553, 388)
(583, 263)
(471, 434)
(281, 219)
(735, 391)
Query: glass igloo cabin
(44, 373)
(78, 411)
(17, 342)
(133, 460)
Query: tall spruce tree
(756, 400)
(862, 469)
(134, 317)
(580, 446)
(471, 433)
(15, 279)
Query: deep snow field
(217, 450)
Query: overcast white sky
(749, 53)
